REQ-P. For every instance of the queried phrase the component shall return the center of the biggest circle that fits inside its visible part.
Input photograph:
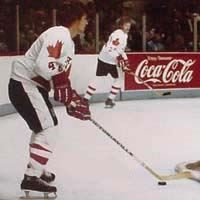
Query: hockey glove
(78, 107)
(62, 88)
(123, 64)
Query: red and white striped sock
(40, 150)
(114, 91)
(90, 91)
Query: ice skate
(35, 185)
(192, 167)
(109, 103)
(48, 176)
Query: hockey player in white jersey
(112, 57)
(45, 66)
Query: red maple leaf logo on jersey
(55, 51)
(115, 42)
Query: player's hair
(70, 12)
(122, 20)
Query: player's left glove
(123, 64)
(78, 107)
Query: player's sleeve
(53, 58)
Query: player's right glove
(62, 88)
(123, 64)
(78, 107)
(75, 105)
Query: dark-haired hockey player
(45, 66)
(112, 56)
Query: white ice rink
(90, 166)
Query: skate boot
(194, 165)
(109, 103)
(48, 176)
(33, 183)
(191, 168)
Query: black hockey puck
(162, 183)
(166, 93)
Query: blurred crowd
(166, 29)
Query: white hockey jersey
(114, 47)
(49, 55)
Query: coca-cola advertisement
(163, 70)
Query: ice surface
(90, 166)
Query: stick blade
(180, 175)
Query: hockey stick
(148, 86)
(175, 176)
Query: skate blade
(37, 198)
(109, 107)
(40, 196)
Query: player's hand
(123, 64)
(78, 107)
(63, 94)
(62, 88)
